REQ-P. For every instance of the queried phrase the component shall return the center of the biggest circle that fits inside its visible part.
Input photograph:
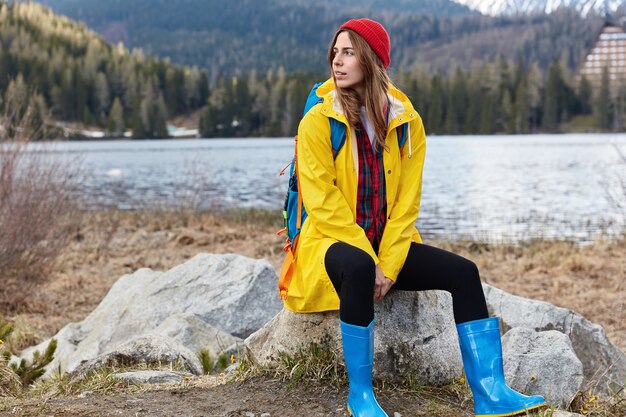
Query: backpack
(294, 212)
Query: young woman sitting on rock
(359, 239)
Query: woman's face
(347, 69)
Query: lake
(494, 188)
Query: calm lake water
(496, 188)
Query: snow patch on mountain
(516, 7)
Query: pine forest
(459, 72)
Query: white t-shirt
(368, 127)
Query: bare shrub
(37, 209)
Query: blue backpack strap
(337, 129)
(313, 98)
(401, 132)
(337, 135)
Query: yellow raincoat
(329, 190)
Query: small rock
(249, 414)
(151, 349)
(266, 415)
(153, 377)
(232, 368)
(396, 414)
(85, 394)
(560, 413)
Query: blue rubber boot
(358, 352)
(481, 349)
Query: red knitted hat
(374, 34)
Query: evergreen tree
(208, 122)
(522, 108)
(551, 108)
(509, 110)
(277, 100)
(102, 96)
(534, 85)
(620, 109)
(138, 126)
(472, 119)
(159, 127)
(259, 105)
(115, 125)
(418, 90)
(202, 90)
(585, 93)
(436, 107)
(457, 103)
(487, 116)
(174, 97)
(81, 92)
(36, 123)
(241, 107)
(603, 106)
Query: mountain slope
(243, 35)
(81, 78)
(238, 35)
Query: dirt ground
(228, 400)
(257, 397)
(590, 280)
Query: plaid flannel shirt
(371, 213)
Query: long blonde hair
(376, 85)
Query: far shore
(430, 135)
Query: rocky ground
(588, 279)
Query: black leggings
(353, 272)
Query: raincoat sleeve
(326, 205)
(400, 226)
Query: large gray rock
(195, 334)
(150, 350)
(199, 304)
(604, 365)
(415, 336)
(542, 363)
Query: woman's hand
(382, 284)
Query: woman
(359, 239)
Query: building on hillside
(608, 51)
